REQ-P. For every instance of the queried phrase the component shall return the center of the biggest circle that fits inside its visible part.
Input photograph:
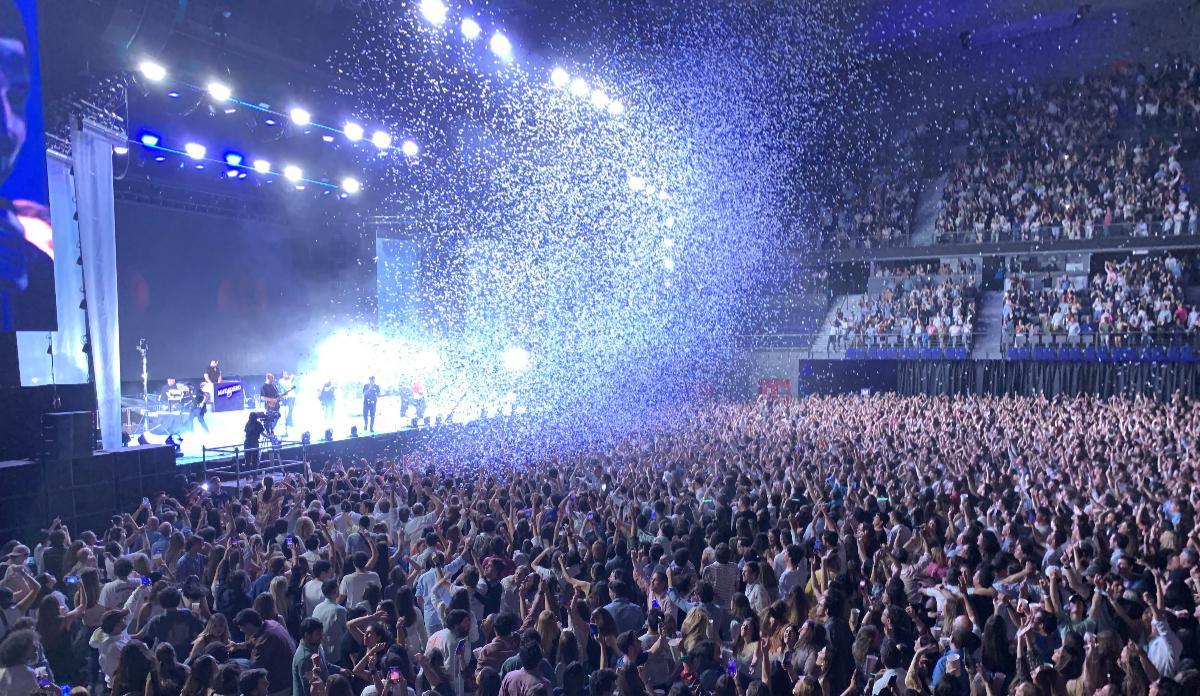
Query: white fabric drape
(91, 151)
(69, 364)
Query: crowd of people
(1131, 302)
(879, 213)
(1072, 159)
(916, 305)
(841, 545)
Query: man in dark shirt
(270, 398)
(370, 397)
(327, 397)
(271, 649)
(254, 430)
(176, 626)
(213, 374)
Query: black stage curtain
(1032, 378)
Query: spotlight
(381, 140)
(410, 149)
(142, 439)
(152, 71)
(150, 140)
(354, 431)
(329, 435)
(434, 11)
(559, 77)
(300, 117)
(351, 185)
(579, 87)
(599, 99)
(241, 175)
(306, 438)
(327, 138)
(293, 173)
(270, 122)
(262, 166)
(636, 183)
(470, 29)
(233, 159)
(669, 263)
(501, 47)
(353, 131)
(616, 108)
(232, 173)
(160, 158)
(120, 150)
(195, 150)
(515, 359)
(204, 486)
(219, 91)
(173, 94)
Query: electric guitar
(272, 402)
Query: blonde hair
(305, 528)
(549, 630)
(278, 590)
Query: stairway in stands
(929, 202)
(990, 323)
(821, 344)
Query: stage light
(120, 150)
(232, 173)
(353, 131)
(501, 47)
(669, 263)
(241, 175)
(351, 185)
(262, 166)
(381, 140)
(637, 183)
(300, 117)
(669, 222)
(579, 87)
(230, 110)
(354, 431)
(327, 138)
(270, 122)
(470, 29)
(160, 158)
(559, 77)
(233, 159)
(329, 435)
(410, 149)
(173, 94)
(219, 91)
(195, 150)
(599, 99)
(515, 359)
(616, 108)
(150, 140)
(152, 71)
(434, 11)
(293, 173)
(306, 438)
(204, 486)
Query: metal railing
(838, 346)
(241, 461)
(1054, 233)
(1108, 341)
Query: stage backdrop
(257, 296)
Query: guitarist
(270, 396)
(287, 388)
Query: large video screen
(26, 244)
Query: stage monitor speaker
(68, 435)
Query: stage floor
(227, 429)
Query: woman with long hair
(174, 550)
(215, 556)
(747, 648)
(168, 676)
(216, 631)
(602, 647)
(200, 677)
(810, 642)
(695, 629)
(54, 628)
(133, 667)
(264, 604)
(548, 628)
(289, 614)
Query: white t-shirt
(312, 595)
(115, 593)
(355, 585)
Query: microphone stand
(143, 349)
